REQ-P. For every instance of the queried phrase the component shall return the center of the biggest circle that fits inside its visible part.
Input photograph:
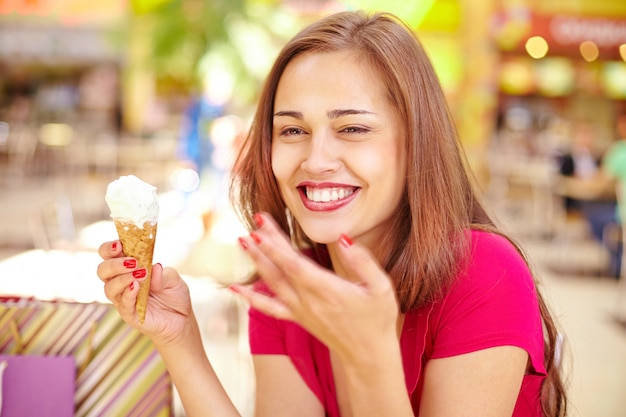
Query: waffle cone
(139, 244)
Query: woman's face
(337, 147)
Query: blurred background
(165, 90)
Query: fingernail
(345, 240)
(114, 246)
(234, 288)
(130, 263)
(258, 220)
(243, 243)
(131, 286)
(255, 237)
(140, 273)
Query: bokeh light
(537, 47)
(589, 51)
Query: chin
(324, 229)
(323, 238)
(323, 235)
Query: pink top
(493, 302)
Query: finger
(264, 303)
(268, 271)
(361, 266)
(110, 268)
(269, 232)
(126, 307)
(110, 249)
(301, 272)
(163, 278)
(157, 279)
(114, 288)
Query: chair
(21, 144)
(52, 225)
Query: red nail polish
(258, 220)
(345, 240)
(130, 263)
(131, 286)
(114, 246)
(140, 273)
(243, 243)
(255, 237)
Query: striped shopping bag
(117, 370)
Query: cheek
(282, 164)
(383, 163)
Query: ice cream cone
(139, 244)
(135, 210)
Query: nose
(323, 156)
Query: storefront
(560, 68)
(60, 95)
(60, 58)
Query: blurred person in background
(614, 163)
(196, 150)
(580, 162)
(196, 146)
(614, 167)
(586, 191)
(382, 287)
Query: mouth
(329, 197)
(325, 195)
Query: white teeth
(327, 194)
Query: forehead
(338, 74)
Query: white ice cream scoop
(133, 200)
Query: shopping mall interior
(165, 89)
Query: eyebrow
(332, 114)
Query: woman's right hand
(169, 303)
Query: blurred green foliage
(412, 12)
(185, 41)
(185, 29)
(185, 38)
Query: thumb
(157, 279)
(164, 278)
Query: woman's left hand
(355, 312)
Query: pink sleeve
(267, 334)
(270, 336)
(493, 303)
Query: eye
(291, 131)
(354, 133)
(354, 129)
(289, 134)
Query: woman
(384, 289)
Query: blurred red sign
(566, 33)
(563, 33)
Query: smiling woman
(335, 130)
(382, 287)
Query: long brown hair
(426, 240)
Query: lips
(326, 197)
